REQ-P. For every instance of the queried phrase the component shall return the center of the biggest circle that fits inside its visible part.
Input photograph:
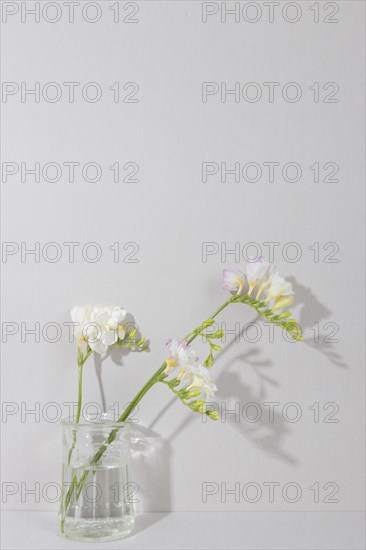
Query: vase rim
(97, 421)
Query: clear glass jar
(97, 491)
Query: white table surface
(206, 530)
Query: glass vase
(97, 491)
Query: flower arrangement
(259, 286)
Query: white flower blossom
(279, 287)
(259, 273)
(183, 364)
(198, 379)
(264, 277)
(98, 326)
(179, 356)
(256, 269)
(233, 281)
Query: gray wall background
(169, 132)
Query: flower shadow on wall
(269, 435)
(312, 315)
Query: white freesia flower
(256, 269)
(233, 281)
(259, 273)
(264, 277)
(180, 357)
(98, 326)
(198, 379)
(183, 364)
(279, 287)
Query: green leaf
(215, 347)
(197, 406)
(208, 323)
(209, 361)
(205, 324)
(173, 383)
(289, 325)
(283, 315)
(191, 393)
(214, 415)
(217, 334)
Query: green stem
(219, 310)
(78, 412)
(80, 391)
(81, 362)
